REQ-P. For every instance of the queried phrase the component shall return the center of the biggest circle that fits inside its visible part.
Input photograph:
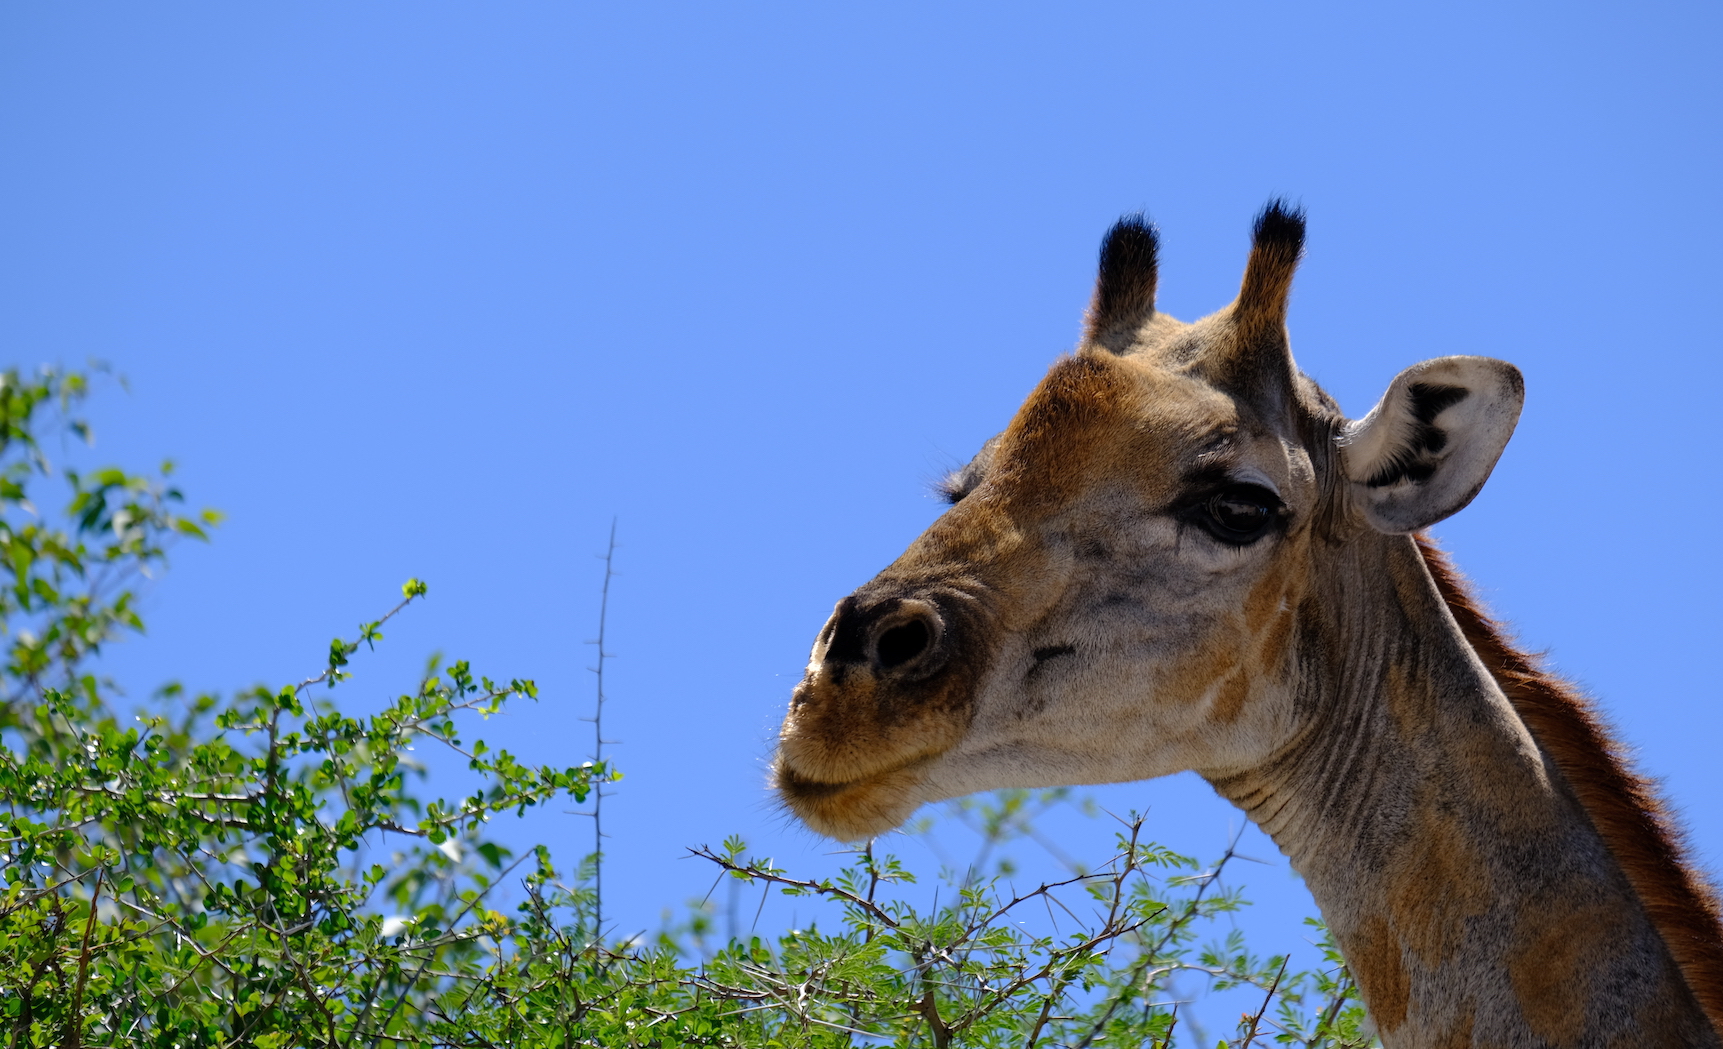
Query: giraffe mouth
(855, 809)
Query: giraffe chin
(853, 811)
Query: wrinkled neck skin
(1468, 890)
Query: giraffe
(1181, 555)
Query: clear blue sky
(438, 289)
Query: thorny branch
(1151, 952)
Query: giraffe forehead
(1095, 415)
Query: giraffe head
(1112, 595)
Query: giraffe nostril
(903, 643)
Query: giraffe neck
(1467, 888)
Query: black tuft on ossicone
(1280, 225)
(1125, 288)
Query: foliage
(259, 869)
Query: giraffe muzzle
(889, 688)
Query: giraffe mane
(1623, 806)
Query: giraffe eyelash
(951, 488)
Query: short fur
(1623, 806)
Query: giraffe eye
(1239, 514)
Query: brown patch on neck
(1556, 947)
(1435, 886)
(1229, 704)
(1623, 806)
(1374, 952)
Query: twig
(1053, 995)
(1329, 1015)
(74, 1036)
(365, 632)
(311, 995)
(598, 742)
(822, 888)
(1191, 910)
(407, 990)
(1256, 1020)
(929, 1009)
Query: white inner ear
(1429, 446)
(1369, 442)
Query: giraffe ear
(1429, 446)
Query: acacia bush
(204, 871)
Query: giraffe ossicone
(1180, 555)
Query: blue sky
(438, 290)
